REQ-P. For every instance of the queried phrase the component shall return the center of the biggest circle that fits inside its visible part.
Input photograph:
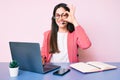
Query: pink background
(26, 20)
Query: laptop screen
(27, 55)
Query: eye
(57, 15)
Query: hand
(43, 60)
(71, 18)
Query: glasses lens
(64, 16)
(57, 16)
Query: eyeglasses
(63, 16)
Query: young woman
(61, 43)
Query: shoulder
(78, 27)
(47, 33)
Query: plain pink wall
(26, 20)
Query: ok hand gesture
(71, 18)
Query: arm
(44, 50)
(82, 39)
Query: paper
(93, 66)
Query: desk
(72, 75)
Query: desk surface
(72, 75)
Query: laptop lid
(28, 56)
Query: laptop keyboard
(48, 67)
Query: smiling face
(60, 15)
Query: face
(60, 15)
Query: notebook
(28, 55)
(93, 66)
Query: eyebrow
(59, 14)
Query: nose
(60, 17)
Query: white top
(62, 46)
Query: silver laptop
(28, 55)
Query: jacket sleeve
(82, 39)
(44, 49)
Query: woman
(61, 43)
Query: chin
(62, 25)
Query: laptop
(28, 55)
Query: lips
(62, 22)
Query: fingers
(43, 60)
(66, 13)
(71, 7)
(70, 14)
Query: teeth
(62, 22)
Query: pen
(95, 66)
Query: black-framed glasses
(63, 15)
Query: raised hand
(71, 17)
